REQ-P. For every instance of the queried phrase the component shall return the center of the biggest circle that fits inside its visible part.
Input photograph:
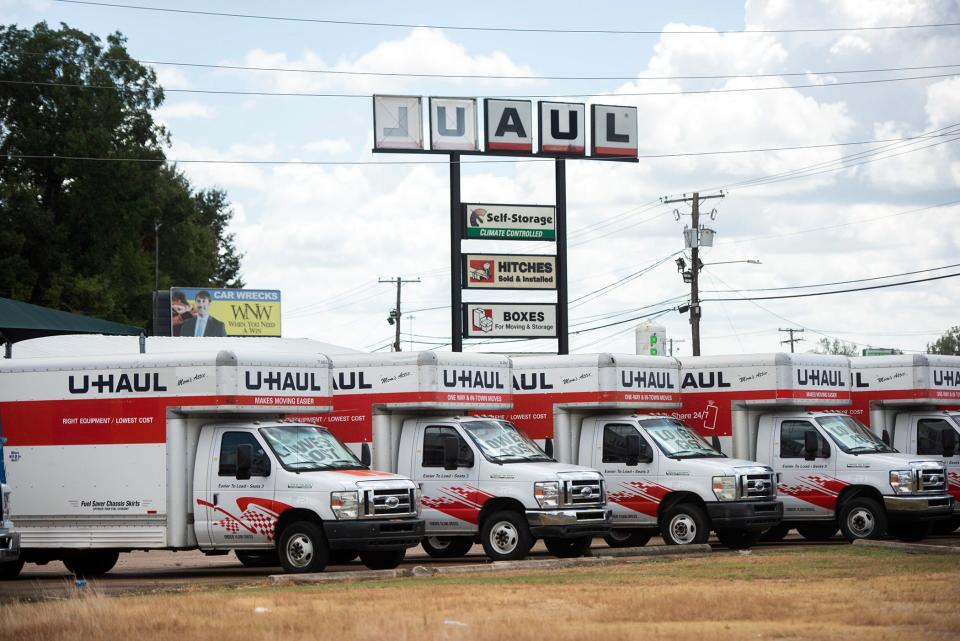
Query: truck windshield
(302, 448)
(851, 435)
(501, 442)
(677, 440)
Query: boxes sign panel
(562, 128)
(509, 271)
(508, 125)
(614, 131)
(509, 320)
(509, 222)
(397, 122)
(453, 124)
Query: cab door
(808, 489)
(927, 440)
(632, 488)
(452, 499)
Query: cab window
(615, 442)
(930, 436)
(433, 447)
(792, 440)
(260, 465)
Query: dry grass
(827, 593)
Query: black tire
(10, 570)
(948, 526)
(91, 564)
(862, 518)
(382, 559)
(776, 533)
(910, 532)
(739, 539)
(568, 548)
(446, 547)
(822, 531)
(684, 524)
(258, 558)
(341, 557)
(302, 547)
(506, 536)
(627, 538)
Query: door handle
(215, 497)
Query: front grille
(583, 492)
(389, 502)
(933, 480)
(757, 486)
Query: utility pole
(693, 238)
(790, 340)
(394, 318)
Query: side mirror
(885, 437)
(811, 444)
(715, 443)
(244, 461)
(633, 449)
(451, 452)
(548, 447)
(949, 443)
(365, 456)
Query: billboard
(509, 271)
(509, 320)
(200, 311)
(509, 222)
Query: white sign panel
(453, 124)
(397, 122)
(509, 271)
(614, 130)
(562, 128)
(509, 320)
(509, 125)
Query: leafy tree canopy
(835, 346)
(949, 343)
(79, 235)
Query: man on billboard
(203, 324)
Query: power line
(401, 25)
(838, 291)
(844, 282)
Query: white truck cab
(188, 450)
(611, 412)
(9, 537)
(833, 473)
(480, 477)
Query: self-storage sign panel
(509, 320)
(509, 271)
(509, 222)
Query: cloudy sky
(826, 213)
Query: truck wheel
(948, 526)
(382, 559)
(684, 524)
(303, 548)
(776, 533)
(258, 558)
(738, 539)
(446, 547)
(862, 518)
(910, 532)
(10, 569)
(818, 531)
(506, 536)
(339, 557)
(568, 548)
(91, 564)
(624, 538)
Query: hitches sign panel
(509, 125)
(563, 128)
(509, 320)
(509, 271)
(614, 131)
(453, 124)
(397, 122)
(509, 222)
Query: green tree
(835, 346)
(78, 234)
(949, 343)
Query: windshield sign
(678, 440)
(308, 447)
(851, 435)
(501, 441)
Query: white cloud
(332, 147)
(171, 78)
(184, 111)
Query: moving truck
(910, 402)
(480, 477)
(833, 473)
(187, 450)
(614, 413)
(9, 538)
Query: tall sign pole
(563, 330)
(456, 231)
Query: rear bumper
(567, 524)
(918, 508)
(10, 546)
(745, 515)
(394, 534)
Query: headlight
(344, 504)
(417, 500)
(901, 481)
(725, 488)
(547, 493)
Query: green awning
(20, 321)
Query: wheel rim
(861, 522)
(438, 542)
(619, 535)
(683, 529)
(300, 550)
(504, 537)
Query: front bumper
(10, 546)
(745, 515)
(918, 508)
(567, 524)
(393, 534)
